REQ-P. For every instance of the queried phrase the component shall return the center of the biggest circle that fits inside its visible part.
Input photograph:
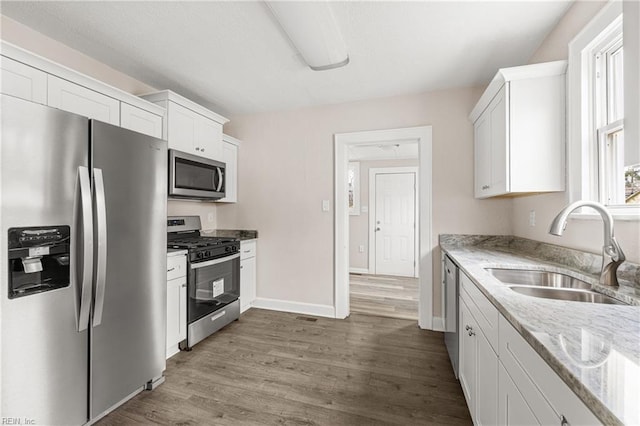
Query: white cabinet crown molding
(231, 140)
(168, 95)
(512, 74)
(39, 62)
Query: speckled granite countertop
(239, 234)
(594, 348)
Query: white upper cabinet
(34, 78)
(67, 96)
(189, 127)
(22, 81)
(229, 156)
(141, 121)
(519, 131)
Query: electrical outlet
(361, 248)
(532, 218)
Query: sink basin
(537, 278)
(565, 294)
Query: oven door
(212, 285)
(195, 177)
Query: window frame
(583, 142)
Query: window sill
(625, 214)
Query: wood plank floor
(384, 295)
(275, 368)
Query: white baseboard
(295, 307)
(438, 324)
(358, 271)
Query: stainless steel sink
(537, 278)
(565, 294)
(549, 285)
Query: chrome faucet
(612, 255)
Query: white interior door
(395, 224)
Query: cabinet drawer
(547, 395)
(176, 267)
(247, 249)
(23, 81)
(482, 309)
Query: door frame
(342, 141)
(372, 213)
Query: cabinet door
(486, 381)
(499, 143)
(247, 283)
(182, 310)
(209, 138)
(482, 155)
(23, 81)
(139, 120)
(173, 315)
(181, 128)
(468, 356)
(77, 99)
(230, 158)
(512, 407)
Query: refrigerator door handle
(101, 258)
(87, 261)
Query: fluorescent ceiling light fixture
(313, 30)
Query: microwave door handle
(101, 258)
(84, 187)
(219, 188)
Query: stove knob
(226, 249)
(200, 255)
(207, 253)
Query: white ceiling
(233, 57)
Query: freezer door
(128, 334)
(44, 358)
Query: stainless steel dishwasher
(450, 292)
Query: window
(601, 168)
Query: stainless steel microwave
(195, 177)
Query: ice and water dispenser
(38, 259)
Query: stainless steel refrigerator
(83, 264)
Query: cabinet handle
(172, 269)
(468, 327)
(485, 187)
(184, 285)
(241, 266)
(472, 333)
(563, 421)
(202, 149)
(247, 251)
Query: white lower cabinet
(478, 367)
(176, 302)
(504, 380)
(247, 274)
(512, 407)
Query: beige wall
(584, 234)
(359, 224)
(287, 168)
(206, 211)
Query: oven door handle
(214, 261)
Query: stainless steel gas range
(213, 277)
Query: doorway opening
(383, 224)
(383, 239)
